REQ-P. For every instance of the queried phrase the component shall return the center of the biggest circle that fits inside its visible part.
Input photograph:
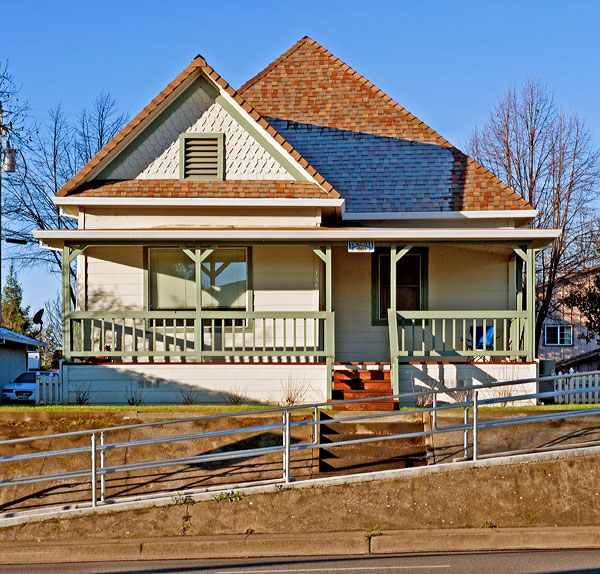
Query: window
(201, 157)
(558, 335)
(411, 274)
(224, 280)
(173, 279)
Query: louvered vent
(202, 157)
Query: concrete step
(375, 446)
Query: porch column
(395, 256)
(69, 254)
(66, 295)
(531, 282)
(329, 343)
(198, 255)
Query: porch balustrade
(191, 336)
(446, 335)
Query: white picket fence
(48, 389)
(578, 383)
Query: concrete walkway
(312, 544)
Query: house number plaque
(361, 246)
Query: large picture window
(411, 273)
(173, 286)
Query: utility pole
(7, 164)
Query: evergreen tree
(14, 316)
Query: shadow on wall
(454, 377)
(104, 384)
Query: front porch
(289, 318)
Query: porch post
(198, 328)
(329, 322)
(531, 281)
(66, 293)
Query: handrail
(312, 406)
(287, 447)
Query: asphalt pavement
(525, 562)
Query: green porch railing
(443, 335)
(188, 335)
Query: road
(556, 561)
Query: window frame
(559, 328)
(220, 156)
(423, 252)
(249, 298)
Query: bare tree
(52, 154)
(546, 156)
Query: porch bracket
(520, 252)
(400, 254)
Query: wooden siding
(143, 218)
(164, 384)
(114, 278)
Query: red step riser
(361, 375)
(365, 406)
(382, 387)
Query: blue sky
(446, 62)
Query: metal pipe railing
(286, 448)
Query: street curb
(313, 544)
(485, 539)
(187, 547)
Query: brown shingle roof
(197, 64)
(206, 189)
(307, 84)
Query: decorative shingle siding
(157, 156)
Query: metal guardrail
(98, 446)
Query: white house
(255, 240)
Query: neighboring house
(13, 354)
(560, 341)
(241, 243)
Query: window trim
(220, 156)
(376, 320)
(559, 327)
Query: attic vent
(201, 156)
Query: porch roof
(541, 238)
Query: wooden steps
(359, 382)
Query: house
(257, 242)
(561, 342)
(14, 349)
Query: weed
(235, 396)
(188, 396)
(294, 391)
(229, 496)
(133, 394)
(489, 524)
(82, 395)
(186, 519)
(373, 531)
(248, 532)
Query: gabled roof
(308, 85)
(197, 66)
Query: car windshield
(25, 378)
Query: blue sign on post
(361, 246)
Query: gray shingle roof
(376, 173)
(8, 335)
